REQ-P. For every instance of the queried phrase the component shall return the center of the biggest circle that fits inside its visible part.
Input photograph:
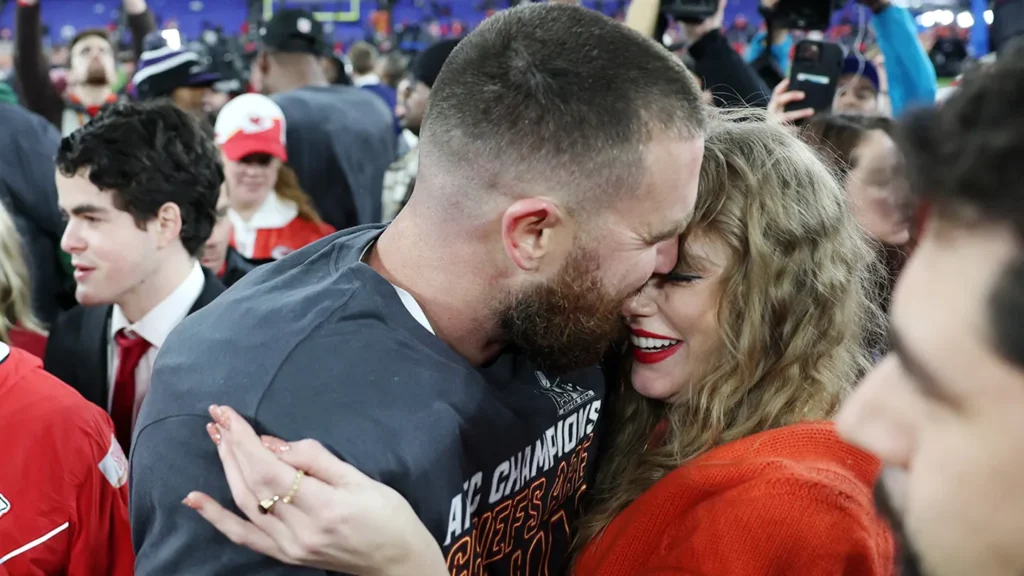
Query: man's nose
(71, 241)
(877, 416)
(667, 256)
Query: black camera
(804, 14)
(690, 11)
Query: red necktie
(122, 409)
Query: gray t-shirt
(318, 345)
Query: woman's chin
(649, 383)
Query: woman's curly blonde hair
(15, 297)
(794, 314)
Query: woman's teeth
(652, 343)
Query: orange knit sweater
(791, 501)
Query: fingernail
(190, 502)
(275, 444)
(220, 416)
(214, 432)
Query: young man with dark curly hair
(138, 186)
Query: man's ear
(533, 228)
(168, 224)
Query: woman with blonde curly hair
(722, 459)
(18, 325)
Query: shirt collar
(275, 212)
(368, 80)
(158, 322)
(410, 139)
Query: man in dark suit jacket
(139, 187)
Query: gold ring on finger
(267, 503)
(295, 487)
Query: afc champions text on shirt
(507, 519)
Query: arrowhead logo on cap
(304, 25)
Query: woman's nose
(641, 304)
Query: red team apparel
(253, 124)
(274, 231)
(63, 482)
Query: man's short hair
(559, 97)
(963, 159)
(146, 155)
(91, 32)
(363, 57)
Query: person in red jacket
(270, 214)
(63, 482)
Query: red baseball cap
(251, 124)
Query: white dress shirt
(154, 328)
(368, 80)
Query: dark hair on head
(557, 97)
(963, 160)
(90, 32)
(146, 155)
(834, 138)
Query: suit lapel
(94, 340)
(212, 287)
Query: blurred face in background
(214, 100)
(192, 99)
(402, 94)
(943, 409)
(250, 180)
(855, 95)
(215, 251)
(92, 62)
(415, 106)
(877, 189)
(256, 75)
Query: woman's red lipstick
(651, 348)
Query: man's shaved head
(553, 100)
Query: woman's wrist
(420, 557)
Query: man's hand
(695, 32)
(135, 7)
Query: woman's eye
(680, 278)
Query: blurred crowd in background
(224, 32)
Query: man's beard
(568, 323)
(96, 75)
(908, 563)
